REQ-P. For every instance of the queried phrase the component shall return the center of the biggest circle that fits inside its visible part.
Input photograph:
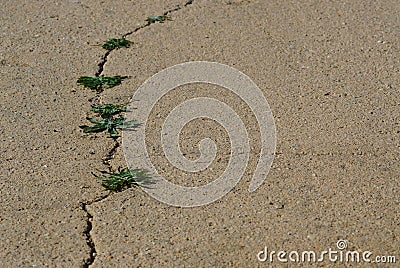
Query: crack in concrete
(102, 63)
(89, 241)
(110, 155)
(105, 56)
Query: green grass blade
(97, 83)
(123, 179)
(107, 110)
(91, 82)
(114, 43)
(111, 81)
(93, 129)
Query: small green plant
(123, 179)
(109, 124)
(107, 121)
(114, 43)
(160, 19)
(98, 82)
(107, 110)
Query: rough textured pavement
(330, 72)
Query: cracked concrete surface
(46, 160)
(328, 70)
(117, 143)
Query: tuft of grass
(107, 110)
(160, 19)
(116, 43)
(98, 82)
(109, 124)
(107, 121)
(123, 179)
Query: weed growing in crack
(108, 110)
(98, 82)
(160, 19)
(109, 124)
(114, 43)
(107, 121)
(123, 179)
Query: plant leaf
(108, 123)
(160, 19)
(128, 124)
(113, 132)
(94, 120)
(111, 81)
(95, 128)
(123, 179)
(114, 43)
(98, 82)
(91, 82)
(107, 110)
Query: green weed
(114, 43)
(98, 82)
(107, 110)
(111, 125)
(123, 179)
(160, 19)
